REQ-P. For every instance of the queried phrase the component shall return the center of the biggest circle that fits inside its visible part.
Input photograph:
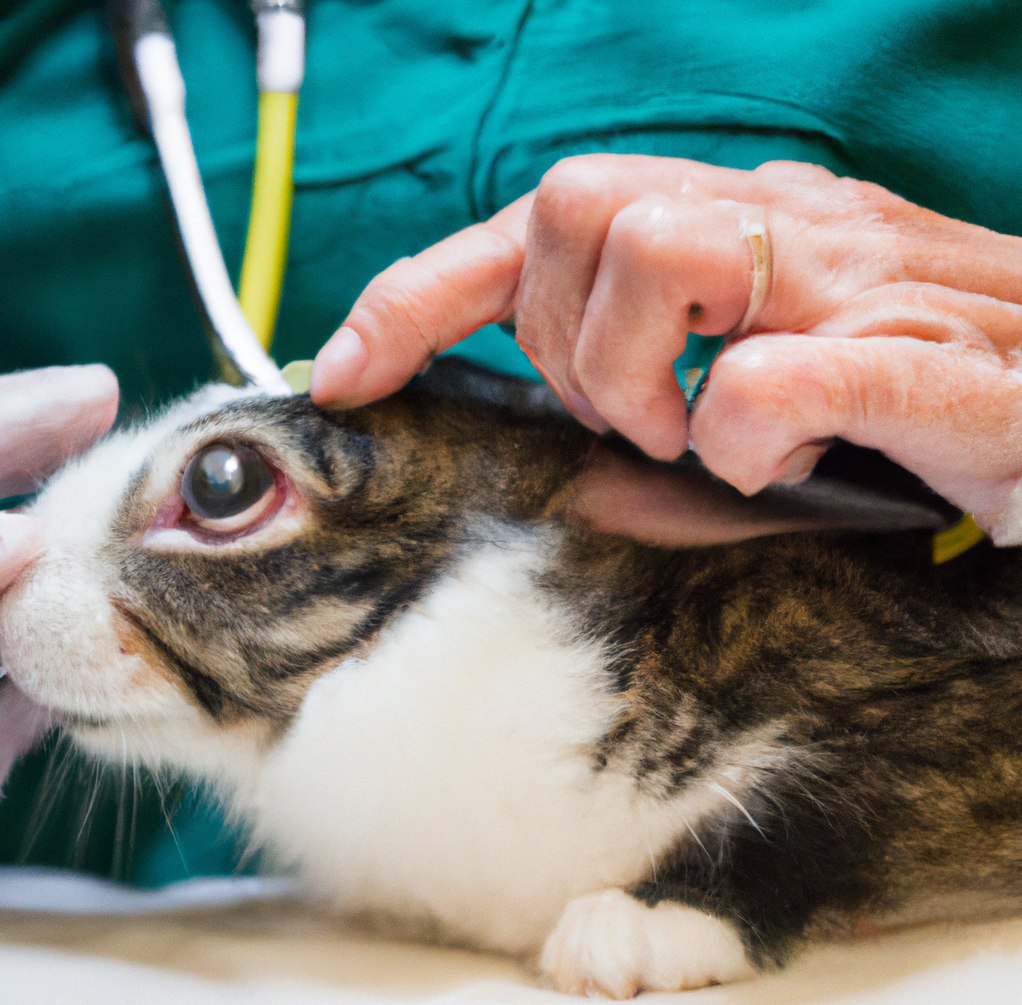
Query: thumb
(21, 539)
(49, 415)
(421, 306)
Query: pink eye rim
(249, 521)
(174, 514)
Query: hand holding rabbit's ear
(884, 324)
(46, 416)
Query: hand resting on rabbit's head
(396, 645)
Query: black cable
(129, 21)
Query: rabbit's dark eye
(223, 481)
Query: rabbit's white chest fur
(449, 777)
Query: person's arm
(889, 325)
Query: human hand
(46, 416)
(891, 326)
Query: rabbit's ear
(684, 505)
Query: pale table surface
(287, 953)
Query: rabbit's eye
(227, 485)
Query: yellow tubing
(956, 540)
(269, 223)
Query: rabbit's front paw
(611, 944)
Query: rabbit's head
(202, 570)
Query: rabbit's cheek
(143, 665)
(65, 645)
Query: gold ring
(762, 274)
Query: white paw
(611, 944)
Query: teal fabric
(418, 119)
(692, 367)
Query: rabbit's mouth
(22, 723)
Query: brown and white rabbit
(442, 699)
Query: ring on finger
(756, 233)
(692, 367)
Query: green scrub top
(416, 120)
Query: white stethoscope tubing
(164, 88)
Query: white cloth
(258, 952)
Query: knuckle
(644, 230)
(845, 197)
(781, 388)
(579, 172)
(794, 173)
(570, 191)
(863, 398)
(865, 202)
(745, 383)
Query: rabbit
(397, 648)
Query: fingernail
(21, 539)
(799, 464)
(337, 366)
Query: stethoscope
(241, 325)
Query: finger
(852, 235)
(425, 304)
(421, 306)
(576, 213)
(832, 238)
(575, 205)
(931, 313)
(665, 270)
(576, 210)
(944, 411)
(21, 539)
(49, 415)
